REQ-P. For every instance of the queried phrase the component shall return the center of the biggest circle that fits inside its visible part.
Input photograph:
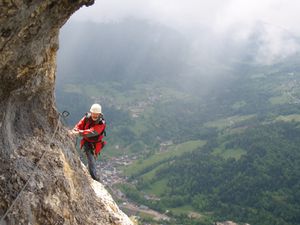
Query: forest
(262, 187)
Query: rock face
(42, 180)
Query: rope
(64, 114)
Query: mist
(232, 20)
(196, 45)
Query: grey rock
(58, 189)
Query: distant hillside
(127, 51)
(248, 169)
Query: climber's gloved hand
(73, 132)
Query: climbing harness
(62, 115)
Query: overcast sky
(218, 14)
(237, 17)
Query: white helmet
(96, 108)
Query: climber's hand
(73, 132)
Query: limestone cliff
(42, 180)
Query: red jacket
(92, 132)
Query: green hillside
(237, 149)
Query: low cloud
(276, 21)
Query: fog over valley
(182, 41)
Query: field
(159, 158)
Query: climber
(92, 129)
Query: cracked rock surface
(58, 187)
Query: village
(111, 175)
(108, 168)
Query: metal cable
(64, 114)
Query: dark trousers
(89, 151)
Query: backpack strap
(87, 116)
(101, 120)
